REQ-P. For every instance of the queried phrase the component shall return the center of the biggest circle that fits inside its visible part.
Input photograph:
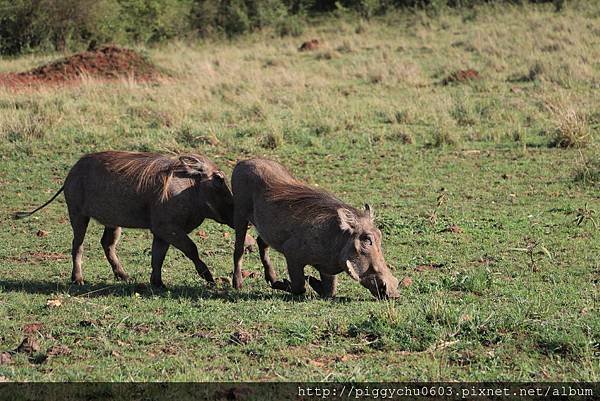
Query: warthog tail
(22, 215)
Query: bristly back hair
(145, 170)
(305, 202)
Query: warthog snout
(220, 200)
(382, 287)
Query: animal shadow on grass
(191, 291)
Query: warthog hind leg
(179, 239)
(79, 223)
(263, 248)
(109, 241)
(159, 251)
(326, 287)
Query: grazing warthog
(310, 227)
(169, 195)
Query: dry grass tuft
(572, 129)
(587, 169)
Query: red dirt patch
(453, 228)
(433, 266)
(108, 62)
(312, 44)
(57, 350)
(406, 282)
(32, 328)
(37, 257)
(461, 76)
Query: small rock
(28, 346)
(53, 303)
(461, 76)
(406, 282)
(246, 273)
(57, 350)
(5, 358)
(317, 363)
(240, 337)
(141, 328)
(32, 328)
(42, 233)
(433, 266)
(453, 229)
(201, 334)
(312, 44)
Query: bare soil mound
(107, 62)
(461, 76)
(312, 44)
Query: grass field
(477, 186)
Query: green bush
(291, 25)
(72, 24)
(62, 24)
(150, 21)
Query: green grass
(480, 155)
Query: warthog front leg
(241, 227)
(296, 283)
(263, 248)
(79, 224)
(179, 239)
(326, 287)
(109, 241)
(159, 251)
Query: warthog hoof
(283, 285)
(122, 276)
(237, 282)
(158, 284)
(77, 281)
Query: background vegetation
(487, 192)
(28, 25)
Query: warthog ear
(347, 219)
(352, 271)
(369, 211)
(192, 165)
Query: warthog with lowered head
(310, 227)
(170, 195)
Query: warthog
(310, 227)
(171, 196)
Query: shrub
(572, 129)
(291, 25)
(62, 24)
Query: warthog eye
(366, 240)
